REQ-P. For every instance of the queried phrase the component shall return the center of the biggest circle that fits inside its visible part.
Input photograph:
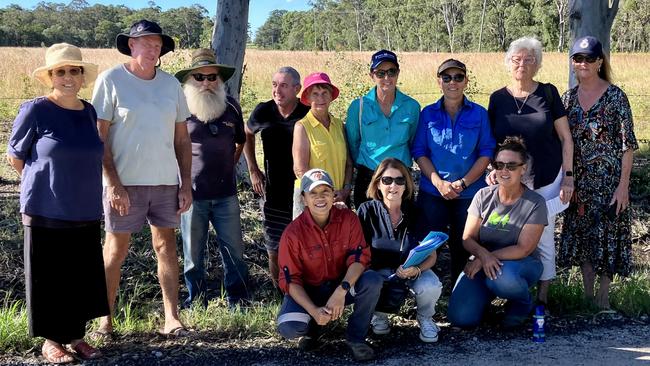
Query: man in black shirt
(275, 120)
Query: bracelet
(462, 183)
(347, 186)
(419, 272)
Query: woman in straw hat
(55, 147)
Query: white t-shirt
(143, 114)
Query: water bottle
(538, 325)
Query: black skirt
(64, 280)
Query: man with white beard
(216, 129)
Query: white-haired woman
(55, 147)
(534, 111)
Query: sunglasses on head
(400, 181)
(582, 58)
(446, 78)
(201, 77)
(511, 166)
(73, 71)
(392, 72)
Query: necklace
(522, 104)
(396, 222)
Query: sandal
(86, 351)
(99, 336)
(55, 353)
(175, 333)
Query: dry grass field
(348, 70)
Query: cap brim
(225, 72)
(90, 72)
(122, 43)
(316, 184)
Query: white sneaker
(428, 330)
(380, 323)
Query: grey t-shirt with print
(501, 224)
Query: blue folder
(417, 255)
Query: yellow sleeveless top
(327, 149)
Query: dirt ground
(596, 340)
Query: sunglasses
(459, 78)
(511, 166)
(73, 71)
(214, 129)
(582, 58)
(392, 72)
(201, 77)
(525, 60)
(400, 181)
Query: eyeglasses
(201, 77)
(214, 129)
(525, 60)
(459, 78)
(511, 166)
(392, 72)
(400, 181)
(73, 71)
(582, 58)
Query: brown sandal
(54, 353)
(86, 351)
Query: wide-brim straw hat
(64, 54)
(143, 28)
(205, 57)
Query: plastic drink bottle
(538, 325)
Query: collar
(314, 122)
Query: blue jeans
(448, 216)
(223, 213)
(294, 321)
(470, 297)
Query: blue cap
(587, 45)
(381, 56)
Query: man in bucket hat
(141, 114)
(323, 259)
(216, 129)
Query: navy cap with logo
(314, 178)
(381, 56)
(143, 28)
(451, 64)
(587, 45)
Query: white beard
(205, 104)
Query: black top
(535, 124)
(277, 138)
(389, 248)
(213, 156)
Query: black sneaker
(361, 351)
(307, 344)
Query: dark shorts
(155, 204)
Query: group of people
(166, 147)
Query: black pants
(361, 183)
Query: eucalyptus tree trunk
(229, 44)
(591, 18)
(229, 39)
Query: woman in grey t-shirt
(503, 227)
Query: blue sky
(258, 12)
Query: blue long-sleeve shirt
(453, 146)
(381, 137)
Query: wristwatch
(345, 285)
(568, 173)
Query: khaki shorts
(155, 204)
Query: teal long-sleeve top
(381, 137)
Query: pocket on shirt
(315, 252)
(468, 137)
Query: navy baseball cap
(143, 28)
(587, 45)
(381, 56)
(315, 178)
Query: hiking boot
(380, 323)
(428, 329)
(307, 343)
(361, 351)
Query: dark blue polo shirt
(213, 155)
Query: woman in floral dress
(596, 234)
